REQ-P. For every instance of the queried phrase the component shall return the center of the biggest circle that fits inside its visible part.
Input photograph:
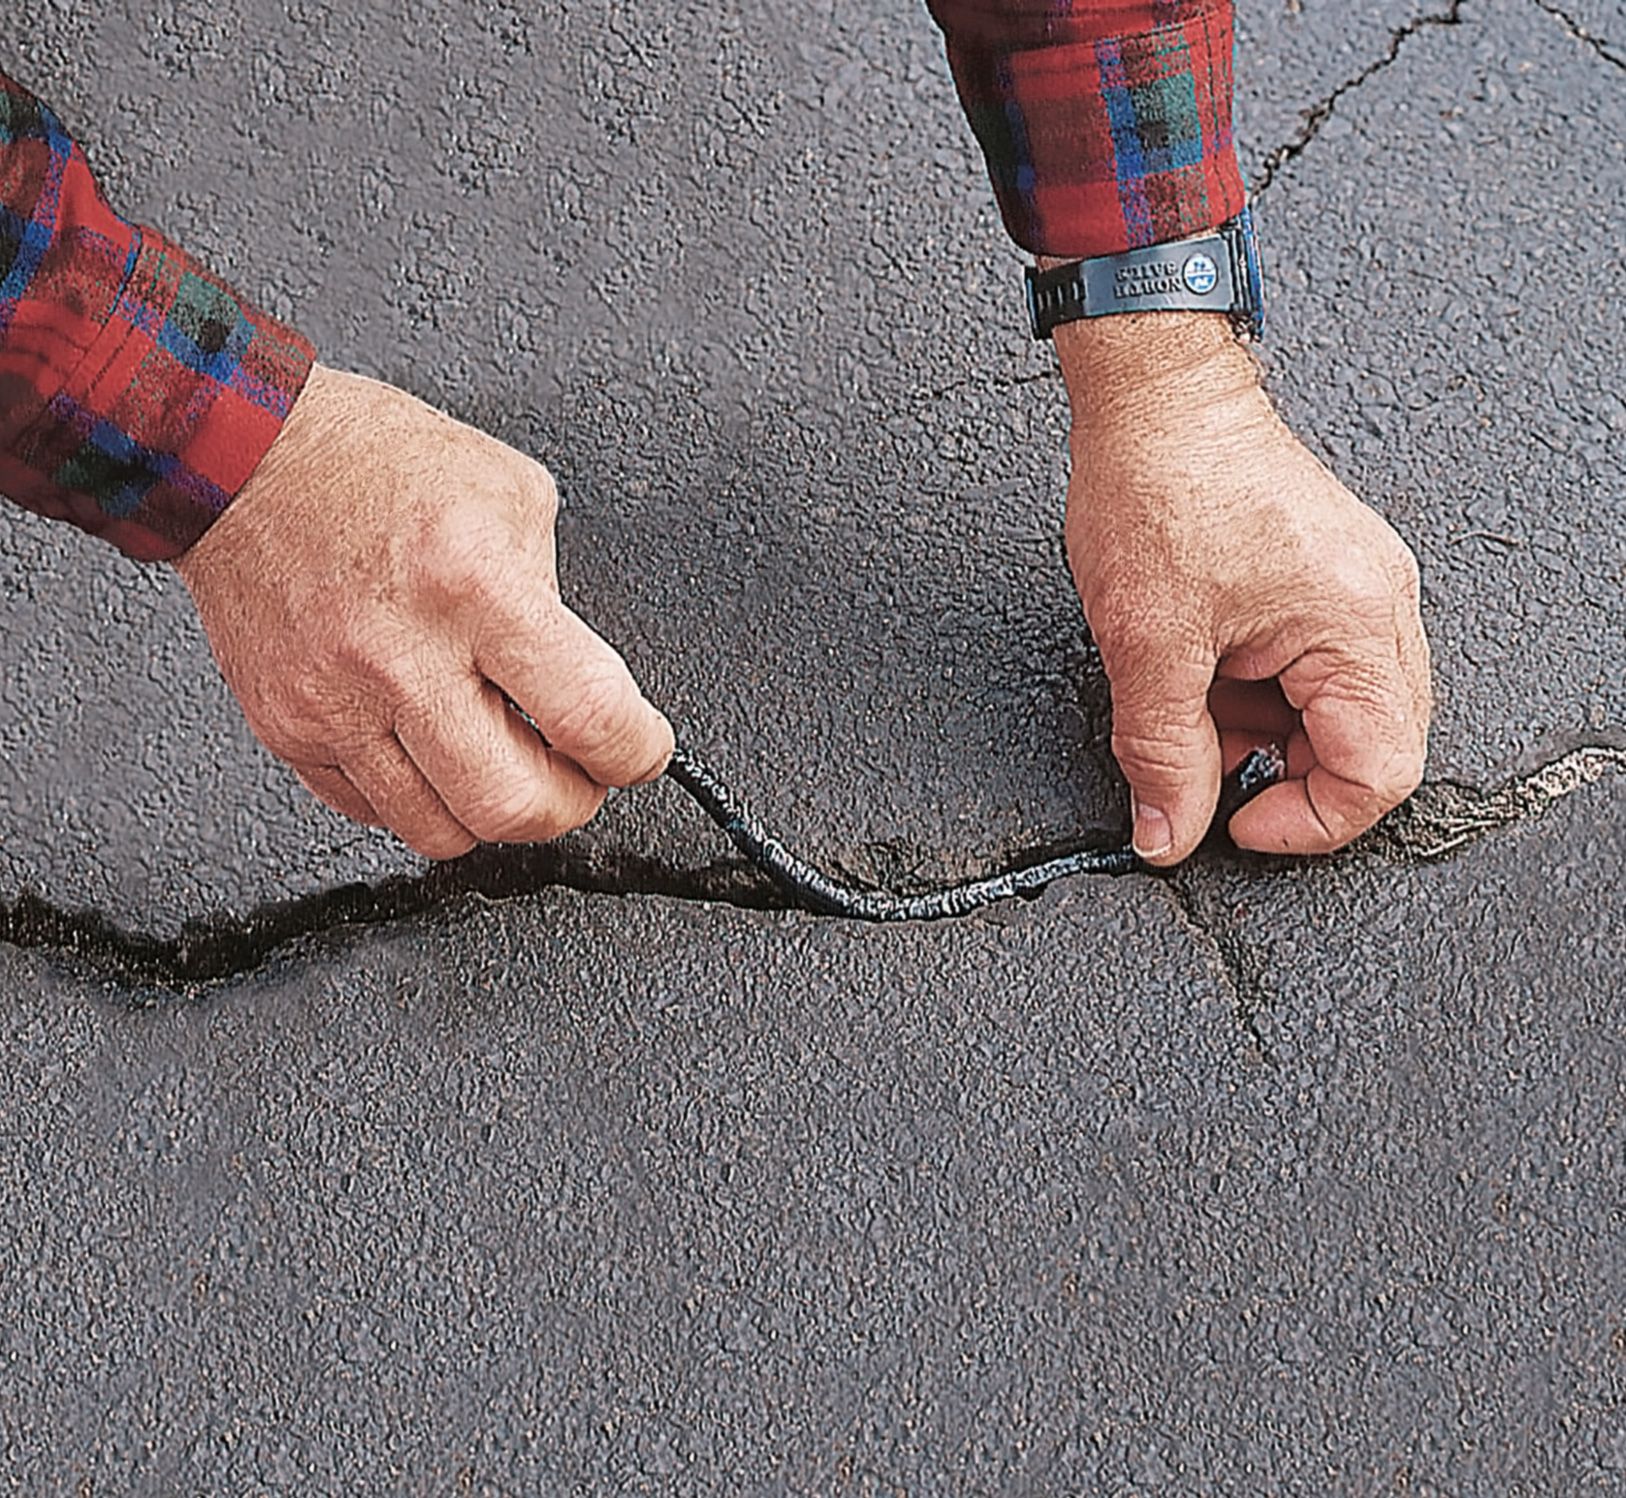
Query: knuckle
(1410, 574)
(295, 718)
(284, 743)
(1148, 752)
(304, 699)
(1368, 599)
(365, 661)
(505, 816)
(326, 790)
(545, 821)
(564, 816)
(465, 553)
(413, 683)
(1402, 776)
(473, 551)
(312, 720)
(1355, 573)
(535, 813)
(466, 560)
(595, 721)
(539, 489)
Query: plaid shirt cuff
(1106, 124)
(137, 390)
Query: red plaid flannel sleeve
(137, 390)
(1106, 124)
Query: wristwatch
(1213, 272)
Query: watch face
(1200, 274)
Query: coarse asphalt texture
(587, 1169)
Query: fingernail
(1153, 834)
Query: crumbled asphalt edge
(1600, 45)
(1441, 820)
(1446, 816)
(1318, 114)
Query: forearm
(137, 390)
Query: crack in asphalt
(991, 382)
(1318, 114)
(1600, 45)
(1442, 818)
(1239, 969)
(228, 946)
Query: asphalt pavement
(577, 1170)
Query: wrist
(285, 468)
(1150, 367)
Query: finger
(1167, 747)
(1318, 814)
(582, 697)
(494, 774)
(1415, 664)
(1364, 726)
(329, 785)
(407, 803)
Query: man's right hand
(1238, 592)
(379, 590)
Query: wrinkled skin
(379, 591)
(1238, 593)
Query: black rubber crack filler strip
(811, 889)
(1441, 819)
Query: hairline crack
(1319, 113)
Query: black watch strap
(1213, 272)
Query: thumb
(1167, 746)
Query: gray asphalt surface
(579, 1194)
(1261, 1179)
